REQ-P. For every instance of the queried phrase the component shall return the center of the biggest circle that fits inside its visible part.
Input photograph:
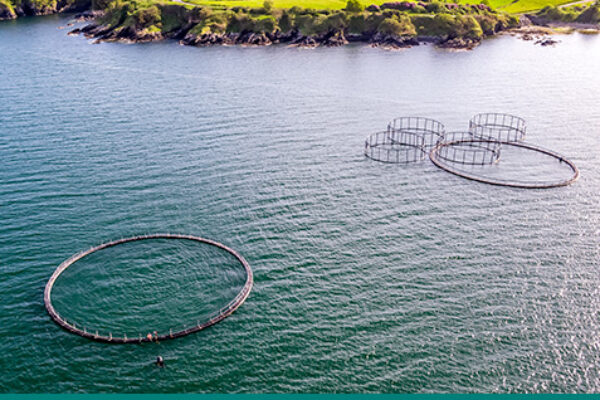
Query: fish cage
(406, 147)
(498, 126)
(474, 153)
(183, 329)
(461, 148)
(480, 176)
(431, 130)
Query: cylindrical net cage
(431, 130)
(498, 126)
(461, 148)
(185, 328)
(408, 147)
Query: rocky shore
(392, 25)
(292, 38)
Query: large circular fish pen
(481, 154)
(149, 334)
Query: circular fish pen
(430, 130)
(462, 149)
(213, 318)
(406, 140)
(498, 126)
(408, 147)
(441, 157)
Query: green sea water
(368, 277)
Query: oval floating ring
(223, 313)
(434, 157)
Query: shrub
(308, 24)
(357, 24)
(101, 4)
(591, 15)
(353, 6)
(402, 6)
(265, 24)
(435, 7)
(554, 13)
(471, 28)
(401, 27)
(268, 5)
(147, 17)
(487, 23)
(285, 21)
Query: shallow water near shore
(368, 277)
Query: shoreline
(293, 38)
(540, 34)
(102, 27)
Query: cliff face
(11, 9)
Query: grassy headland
(393, 24)
(297, 22)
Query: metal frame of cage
(407, 148)
(138, 337)
(498, 126)
(432, 130)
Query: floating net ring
(214, 318)
(407, 148)
(498, 126)
(460, 148)
(431, 130)
(439, 162)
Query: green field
(522, 6)
(509, 6)
(315, 4)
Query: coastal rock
(253, 39)
(93, 30)
(334, 39)
(283, 37)
(207, 39)
(546, 42)
(358, 37)
(392, 41)
(104, 33)
(88, 15)
(181, 33)
(308, 42)
(459, 44)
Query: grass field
(316, 4)
(521, 6)
(509, 6)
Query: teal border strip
(295, 396)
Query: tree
(354, 6)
